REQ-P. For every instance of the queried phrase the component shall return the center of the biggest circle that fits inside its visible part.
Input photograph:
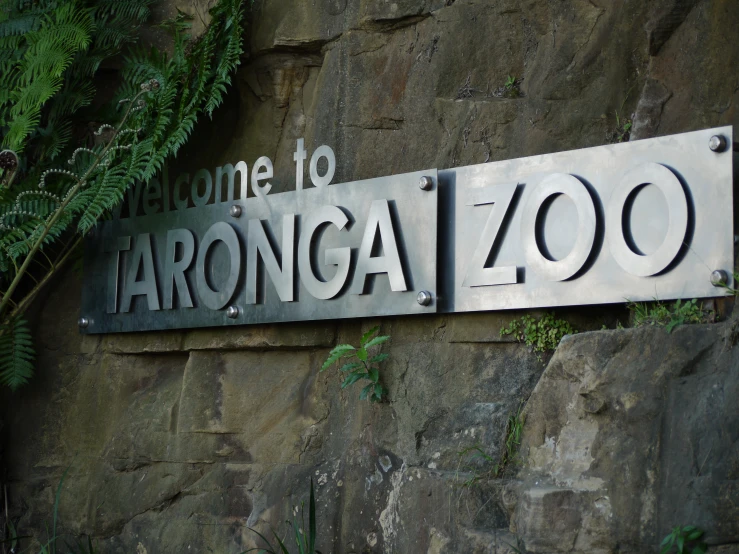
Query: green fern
(49, 208)
(16, 353)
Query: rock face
(628, 433)
(182, 441)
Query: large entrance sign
(645, 220)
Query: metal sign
(351, 250)
(645, 220)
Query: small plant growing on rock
(622, 132)
(513, 435)
(623, 129)
(514, 429)
(661, 315)
(306, 542)
(686, 540)
(511, 88)
(362, 366)
(542, 335)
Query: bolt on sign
(644, 220)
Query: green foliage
(684, 540)
(472, 453)
(622, 132)
(542, 335)
(306, 542)
(663, 315)
(49, 51)
(514, 430)
(363, 366)
(512, 87)
(511, 442)
(731, 290)
(16, 353)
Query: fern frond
(20, 127)
(32, 97)
(130, 9)
(45, 75)
(69, 27)
(16, 353)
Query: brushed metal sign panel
(643, 220)
(349, 250)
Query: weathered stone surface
(689, 72)
(628, 434)
(197, 11)
(285, 335)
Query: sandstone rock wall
(180, 441)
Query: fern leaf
(21, 126)
(16, 353)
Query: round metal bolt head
(717, 143)
(232, 312)
(719, 278)
(424, 298)
(83, 322)
(426, 183)
(235, 211)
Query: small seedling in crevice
(305, 541)
(623, 129)
(471, 453)
(514, 430)
(685, 540)
(624, 125)
(510, 89)
(363, 367)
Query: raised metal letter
(341, 257)
(478, 275)
(180, 203)
(677, 204)
(152, 191)
(257, 175)
(230, 173)
(559, 270)
(379, 219)
(148, 286)
(215, 300)
(203, 174)
(121, 244)
(257, 242)
(134, 195)
(174, 271)
(323, 151)
(299, 157)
